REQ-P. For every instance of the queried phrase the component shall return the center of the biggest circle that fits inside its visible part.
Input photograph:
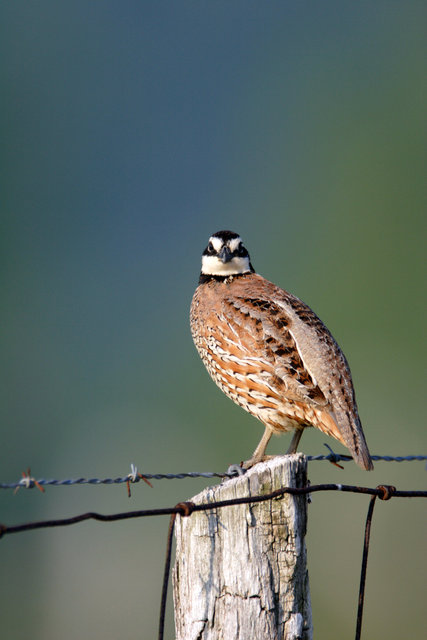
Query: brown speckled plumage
(271, 354)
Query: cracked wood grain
(241, 571)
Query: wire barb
(134, 476)
(27, 482)
(333, 457)
(185, 509)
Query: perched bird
(270, 353)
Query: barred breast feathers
(249, 315)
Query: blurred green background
(131, 132)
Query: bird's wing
(330, 369)
(265, 323)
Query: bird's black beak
(225, 254)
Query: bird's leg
(295, 441)
(258, 454)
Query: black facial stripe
(209, 251)
(241, 251)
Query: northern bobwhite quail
(270, 353)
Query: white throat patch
(212, 266)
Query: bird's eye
(210, 248)
(241, 250)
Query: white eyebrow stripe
(216, 243)
(234, 243)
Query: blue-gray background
(131, 132)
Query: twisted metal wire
(29, 482)
(185, 509)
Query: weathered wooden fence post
(241, 571)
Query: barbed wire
(185, 509)
(29, 482)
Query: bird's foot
(254, 460)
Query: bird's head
(225, 256)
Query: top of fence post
(241, 570)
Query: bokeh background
(131, 132)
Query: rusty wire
(179, 509)
(185, 509)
